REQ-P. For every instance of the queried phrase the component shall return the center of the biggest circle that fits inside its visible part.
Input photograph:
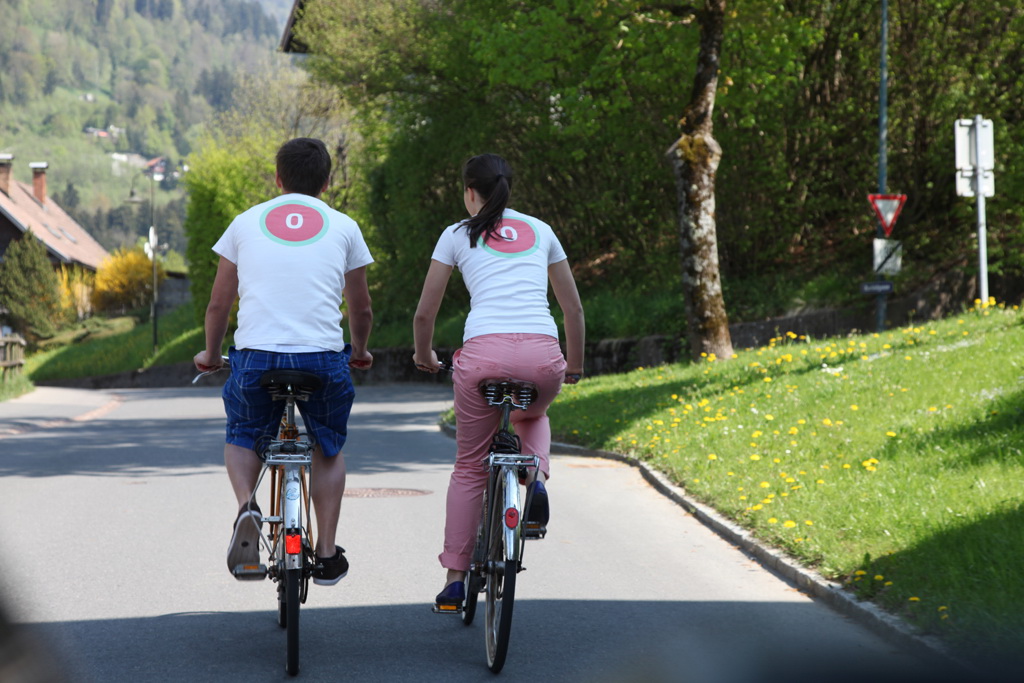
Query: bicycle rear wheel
(501, 585)
(282, 604)
(292, 581)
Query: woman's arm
(426, 314)
(564, 286)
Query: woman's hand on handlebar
(427, 362)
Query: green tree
(30, 288)
(232, 168)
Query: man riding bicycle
(290, 262)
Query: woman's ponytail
(491, 177)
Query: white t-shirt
(292, 254)
(507, 277)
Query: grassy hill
(889, 462)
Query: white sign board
(975, 153)
(965, 183)
(888, 256)
(971, 152)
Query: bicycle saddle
(302, 383)
(523, 393)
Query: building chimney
(6, 161)
(39, 180)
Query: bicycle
(289, 540)
(503, 531)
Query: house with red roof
(26, 207)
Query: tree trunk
(694, 158)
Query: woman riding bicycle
(506, 259)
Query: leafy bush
(76, 286)
(124, 280)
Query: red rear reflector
(293, 544)
(511, 518)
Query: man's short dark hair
(304, 166)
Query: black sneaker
(330, 570)
(539, 512)
(245, 540)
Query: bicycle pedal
(250, 572)
(447, 609)
(533, 530)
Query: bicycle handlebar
(204, 373)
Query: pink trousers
(533, 357)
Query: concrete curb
(882, 623)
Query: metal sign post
(888, 254)
(975, 177)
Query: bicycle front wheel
(500, 593)
(292, 581)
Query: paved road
(115, 527)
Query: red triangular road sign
(887, 208)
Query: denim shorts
(252, 414)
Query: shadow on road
(387, 441)
(652, 642)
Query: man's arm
(564, 286)
(360, 317)
(222, 298)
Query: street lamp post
(151, 246)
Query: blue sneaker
(451, 598)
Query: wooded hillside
(80, 81)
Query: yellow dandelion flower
(890, 433)
(887, 583)
(755, 456)
(757, 507)
(712, 456)
(808, 522)
(942, 608)
(773, 520)
(789, 524)
(854, 407)
(764, 484)
(859, 572)
(878, 577)
(932, 409)
(914, 599)
(769, 417)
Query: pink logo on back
(294, 223)
(514, 238)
